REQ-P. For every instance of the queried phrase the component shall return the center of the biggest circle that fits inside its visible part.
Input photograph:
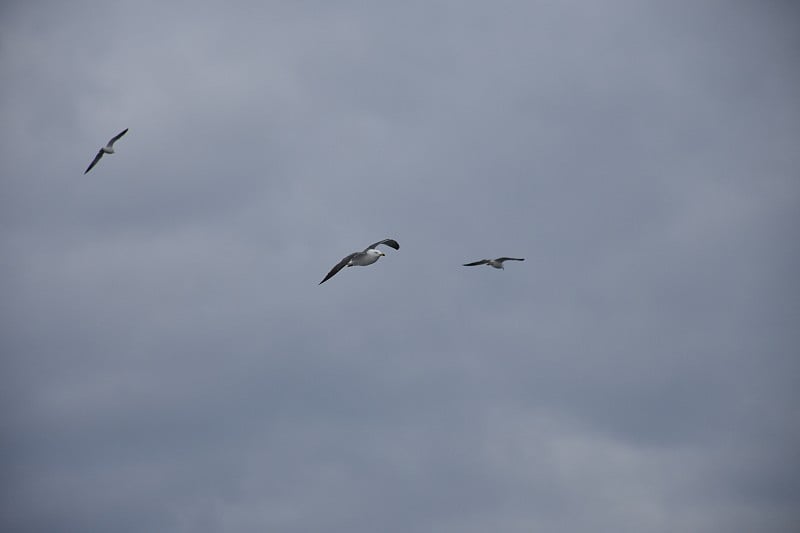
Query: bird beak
(383, 253)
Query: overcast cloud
(170, 363)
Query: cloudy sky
(170, 363)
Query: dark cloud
(170, 363)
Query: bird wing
(340, 265)
(93, 163)
(481, 262)
(116, 137)
(501, 259)
(388, 242)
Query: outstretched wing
(391, 243)
(481, 262)
(340, 265)
(116, 137)
(94, 162)
(501, 259)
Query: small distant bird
(367, 257)
(496, 263)
(107, 149)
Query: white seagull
(107, 149)
(496, 263)
(367, 257)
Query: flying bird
(367, 257)
(107, 149)
(496, 263)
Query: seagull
(496, 263)
(367, 257)
(107, 149)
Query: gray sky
(171, 365)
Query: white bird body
(366, 258)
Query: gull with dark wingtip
(107, 149)
(367, 257)
(496, 263)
